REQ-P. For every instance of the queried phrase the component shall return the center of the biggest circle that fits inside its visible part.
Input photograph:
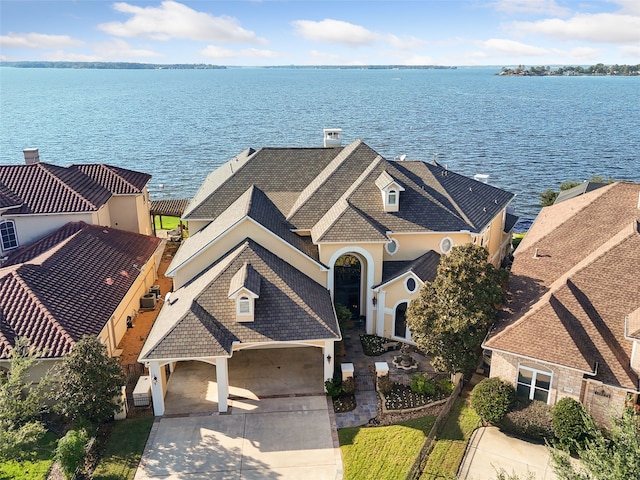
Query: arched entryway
(347, 280)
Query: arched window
(392, 197)
(8, 235)
(400, 329)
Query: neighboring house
(572, 328)
(278, 234)
(584, 187)
(79, 280)
(38, 198)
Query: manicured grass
(124, 449)
(383, 452)
(168, 223)
(35, 469)
(448, 450)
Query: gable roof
(577, 281)
(68, 285)
(316, 187)
(45, 188)
(253, 204)
(425, 267)
(199, 320)
(584, 187)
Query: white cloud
(631, 7)
(583, 53)
(335, 31)
(175, 20)
(62, 56)
(601, 27)
(631, 51)
(117, 48)
(213, 51)
(504, 45)
(37, 41)
(545, 7)
(405, 43)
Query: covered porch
(204, 386)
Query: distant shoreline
(202, 66)
(571, 71)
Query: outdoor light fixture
(154, 379)
(374, 300)
(328, 358)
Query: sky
(301, 32)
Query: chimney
(332, 137)
(31, 156)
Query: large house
(37, 198)
(278, 234)
(79, 280)
(572, 327)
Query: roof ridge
(64, 184)
(112, 169)
(323, 176)
(446, 193)
(563, 280)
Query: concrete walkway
(490, 449)
(275, 438)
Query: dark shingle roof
(291, 307)
(169, 208)
(425, 267)
(70, 290)
(584, 187)
(46, 188)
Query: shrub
(333, 388)
(70, 451)
(492, 398)
(570, 423)
(385, 385)
(349, 385)
(445, 386)
(531, 419)
(421, 384)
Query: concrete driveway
(274, 438)
(490, 449)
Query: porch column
(380, 313)
(327, 359)
(157, 387)
(222, 379)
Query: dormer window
(390, 190)
(244, 288)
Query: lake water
(527, 133)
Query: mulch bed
(344, 403)
(402, 397)
(372, 345)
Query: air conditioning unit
(148, 301)
(142, 392)
(155, 289)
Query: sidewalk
(490, 449)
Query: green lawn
(446, 456)
(124, 449)
(36, 469)
(383, 452)
(168, 223)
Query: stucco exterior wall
(31, 228)
(36, 372)
(413, 245)
(130, 213)
(247, 228)
(395, 293)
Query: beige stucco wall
(196, 225)
(36, 372)
(394, 293)
(115, 329)
(31, 228)
(411, 246)
(248, 228)
(131, 213)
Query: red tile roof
(71, 289)
(46, 188)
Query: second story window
(244, 306)
(8, 235)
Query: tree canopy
(21, 404)
(548, 197)
(451, 316)
(89, 381)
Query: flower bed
(344, 403)
(401, 397)
(373, 345)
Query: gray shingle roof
(425, 267)
(292, 307)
